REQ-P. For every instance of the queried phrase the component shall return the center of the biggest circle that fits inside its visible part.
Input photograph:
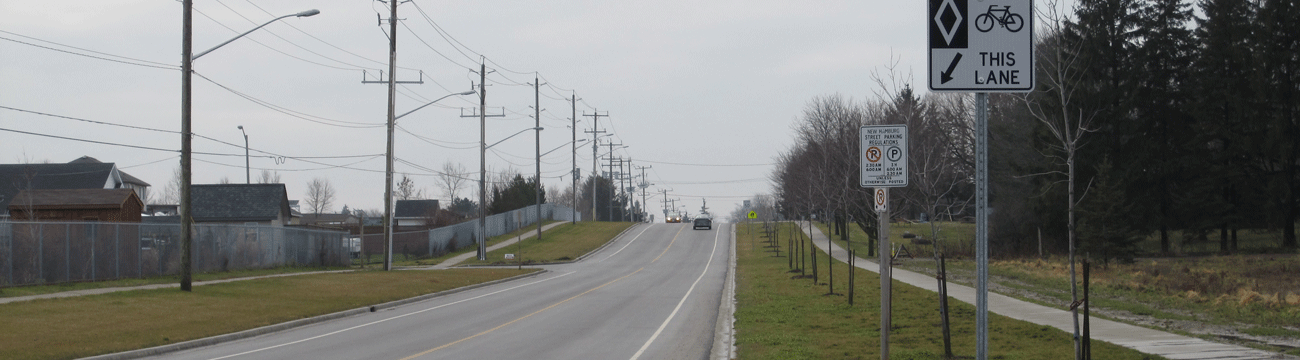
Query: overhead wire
(297, 114)
(164, 67)
(272, 48)
(269, 31)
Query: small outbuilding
(107, 205)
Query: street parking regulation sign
(884, 155)
(981, 45)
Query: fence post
(93, 235)
(67, 252)
(40, 251)
(117, 251)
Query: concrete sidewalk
(1142, 339)
(462, 257)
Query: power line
(168, 67)
(293, 113)
(287, 40)
(686, 164)
(272, 48)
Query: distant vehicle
(673, 218)
(703, 222)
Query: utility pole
(482, 157)
(595, 144)
(537, 118)
(392, 112)
(187, 217)
(574, 102)
(610, 211)
(644, 184)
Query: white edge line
(683, 301)
(629, 243)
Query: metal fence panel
(58, 252)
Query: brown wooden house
(107, 205)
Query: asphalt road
(652, 294)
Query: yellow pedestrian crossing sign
(753, 215)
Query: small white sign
(510, 256)
(881, 199)
(884, 155)
(981, 45)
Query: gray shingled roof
(75, 198)
(415, 208)
(14, 177)
(238, 202)
(126, 178)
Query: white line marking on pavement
(391, 318)
(629, 243)
(683, 301)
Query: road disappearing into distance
(653, 293)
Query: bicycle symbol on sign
(1013, 22)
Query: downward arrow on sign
(946, 76)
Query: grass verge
(377, 260)
(1254, 293)
(780, 316)
(91, 325)
(63, 287)
(561, 243)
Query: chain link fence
(60, 252)
(437, 242)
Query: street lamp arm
(561, 145)
(301, 14)
(508, 137)
(431, 103)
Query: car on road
(703, 222)
(673, 218)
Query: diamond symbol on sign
(948, 17)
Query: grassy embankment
(1260, 290)
(89, 325)
(561, 243)
(407, 260)
(782, 316)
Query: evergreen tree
(1279, 76)
(1160, 103)
(1223, 106)
(516, 194)
(1104, 228)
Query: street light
(482, 194)
(187, 57)
(248, 174)
(515, 134)
(388, 181)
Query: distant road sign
(753, 215)
(997, 57)
(884, 155)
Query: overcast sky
(704, 92)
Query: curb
(724, 337)
(213, 340)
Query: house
(109, 205)
(332, 221)
(78, 175)
(415, 213)
(248, 204)
(128, 182)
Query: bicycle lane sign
(981, 45)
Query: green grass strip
(76, 327)
(779, 316)
(561, 243)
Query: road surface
(652, 294)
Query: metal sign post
(884, 165)
(982, 46)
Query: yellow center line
(426, 352)
(670, 245)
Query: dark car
(703, 222)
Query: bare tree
(320, 196)
(406, 190)
(1055, 106)
(452, 178)
(224, 180)
(269, 177)
(172, 191)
